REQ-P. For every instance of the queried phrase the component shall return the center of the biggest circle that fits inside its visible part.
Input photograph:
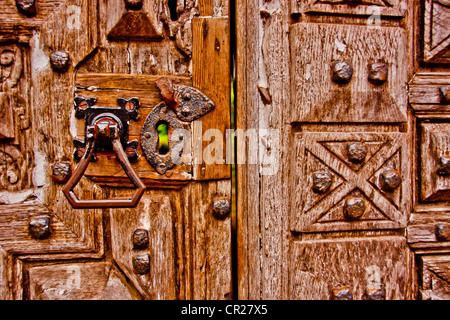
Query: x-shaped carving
(391, 143)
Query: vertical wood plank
(208, 243)
(211, 74)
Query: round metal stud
(140, 239)
(378, 72)
(356, 152)
(39, 227)
(442, 231)
(341, 293)
(134, 4)
(141, 264)
(390, 180)
(341, 72)
(354, 208)
(221, 208)
(374, 294)
(322, 182)
(444, 166)
(60, 61)
(61, 171)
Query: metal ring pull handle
(105, 129)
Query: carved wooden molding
(435, 278)
(437, 31)
(327, 152)
(385, 8)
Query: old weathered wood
(327, 152)
(435, 282)
(315, 97)
(321, 266)
(205, 268)
(434, 144)
(318, 34)
(436, 31)
(211, 41)
(79, 281)
(113, 52)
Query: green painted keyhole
(162, 127)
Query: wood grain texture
(154, 213)
(364, 8)
(327, 152)
(435, 143)
(435, 282)
(265, 33)
(79, 281)
(211, 75)
(205, 267)
(421, 232)
(215, 8)
(436, 31)
(263, 237)
(317, 98)
(424, 95)
(321, 266)
(13, 19)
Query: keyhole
(162, 127)
(173, 10)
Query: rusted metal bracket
(188, 103)
(106, 129)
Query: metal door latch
(106, 129)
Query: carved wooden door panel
(357, 204)
(165, 65)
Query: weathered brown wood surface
(48, 250)
(306, 227)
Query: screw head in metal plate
(39, 227)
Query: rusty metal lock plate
(150, 140)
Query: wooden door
(176, 243)
(356, 95)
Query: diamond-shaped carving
(325, 212)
